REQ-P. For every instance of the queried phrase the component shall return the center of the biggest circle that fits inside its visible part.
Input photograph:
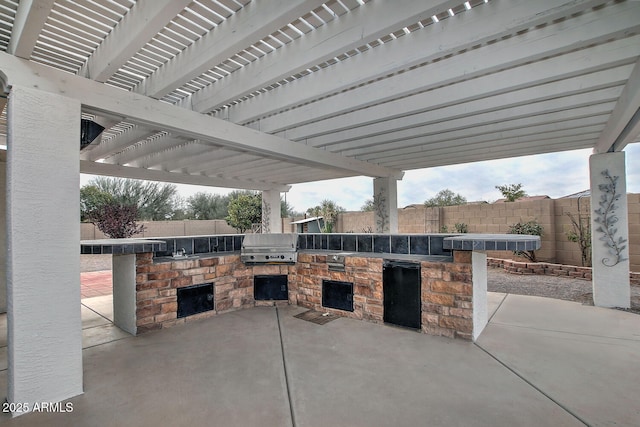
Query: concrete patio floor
(540, 362)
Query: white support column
(609, 230)
(479, 280)
(385, 198)
(124, 292)
(271, 220)
(3, 237)
(43, 240)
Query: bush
(461, 227)
(532, 228)
(116, 221)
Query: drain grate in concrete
(316, 317)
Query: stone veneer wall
(447, 306)
(305, 285)
(447, 297)
(157, 284)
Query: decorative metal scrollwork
(606, 217)
(266, 217)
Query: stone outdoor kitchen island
(450, 285)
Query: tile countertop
(120, 246)
(493, 242)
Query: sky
(555, 175)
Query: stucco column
(124, 292)
(385, 201)
(3, 237)
(479, 281)
(271, 220)
(43, 240)
(609, 230)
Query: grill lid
(269, 248)
(281, 241)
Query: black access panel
(195, 299)
(336, 294)
(270, 287)
(401, 292)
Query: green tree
(244, 210)
(580, 232)
(445, 197)
(207, 206)
(154, 201)
(368, 206)
(286, 211)
(512, 192)
(91, 198)
(179, 209)
(329, 211)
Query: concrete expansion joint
(286, 373)
(539, 390)
(560, 332)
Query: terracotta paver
(96, 283)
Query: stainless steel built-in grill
(269, 249)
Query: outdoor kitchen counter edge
(383, 255)
(386, 256)
(492, 242)
(120, 246)
(158, 260)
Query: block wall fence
(479, 218)
(497, 217)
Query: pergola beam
(118, 143)
(437, 41)
(145, 19)
(150, 146)
(497, 138)
(308, 175)
(574, 142)
(30, 18)
(624, 122)
(175, 157)
(211, 164)
(601, 57)
(180, 178)
(326, 42)
(557, 120)
(250, 24)
(219, 168)
(154, 114)
(483, 108)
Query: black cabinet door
(195, 299)
(401, 291)
(336, 294)
(266, 288)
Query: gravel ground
(498, 281)
(549, 286)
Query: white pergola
(263, 94)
